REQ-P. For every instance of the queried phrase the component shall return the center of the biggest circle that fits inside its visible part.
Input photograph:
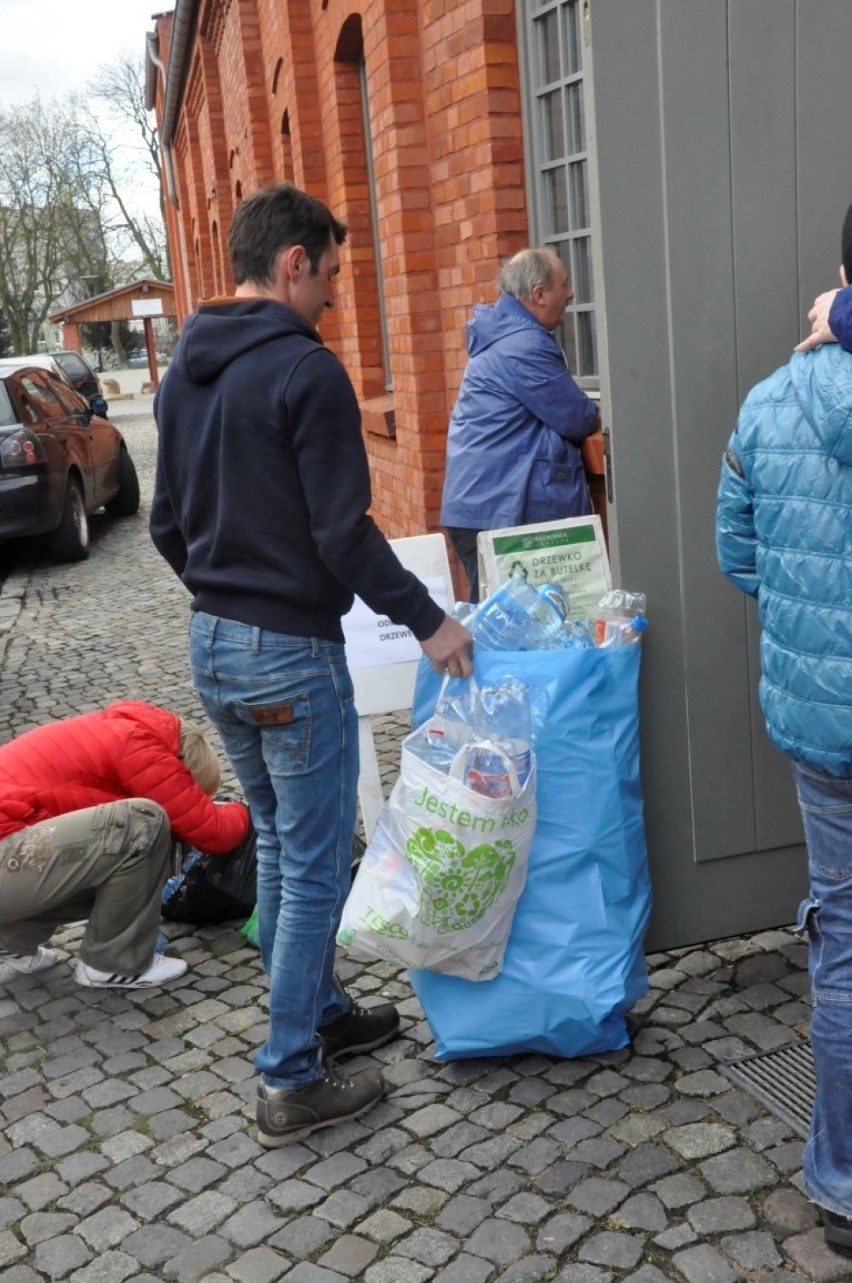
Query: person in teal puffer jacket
(784, 535)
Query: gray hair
(520, 274)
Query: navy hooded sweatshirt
(263, 487)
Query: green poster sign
(571, 553)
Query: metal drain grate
(783, 1081)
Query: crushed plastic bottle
(503, 714)
(452, 723)
(516, 617)
(578, 634)
(620, 618)
(558, 598)
(486, 770)
(450, 726)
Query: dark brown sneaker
(285, 1116)
(361, 1029)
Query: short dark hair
(846, 245)
(272, 219)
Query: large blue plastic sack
(574, 965)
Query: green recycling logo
(457, 886)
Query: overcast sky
(53, 47)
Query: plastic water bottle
(485, 770)
(450, 726)
(503, 714)
(452, 723)
(558, 597)
(620, 618)
(516, 617)
(578, 634)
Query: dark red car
(59, 462)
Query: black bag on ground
(213, 888)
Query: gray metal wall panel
(696, 152)
(762, 60)
(637, 396)
(823, 147)
(669, 167)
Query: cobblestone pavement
(127, 1149)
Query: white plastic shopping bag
(439, 881)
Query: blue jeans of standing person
(826, 916)
(284, 708)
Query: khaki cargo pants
(106, 864)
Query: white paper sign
(147, 306)
(372, 641)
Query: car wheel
(70, 539)
(126, 502)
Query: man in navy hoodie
(512, 446)
(261, 507)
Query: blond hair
(199, 758)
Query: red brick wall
(445, 117)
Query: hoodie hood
(489, 324)
(218, 333)
(822, 383)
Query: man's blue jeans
(284, 708)
(826, 915)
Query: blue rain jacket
(512, 455)
(784, 535)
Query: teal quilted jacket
(784, 535)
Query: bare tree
(120, 85)
(40, 217)
(76, 210)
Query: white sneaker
(27, 963)
(160, 972)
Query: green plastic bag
(249, 930)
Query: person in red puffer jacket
(89, 810)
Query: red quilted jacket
(129, 749)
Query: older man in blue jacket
(512, 448)
(783, 533)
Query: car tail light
(21, 449)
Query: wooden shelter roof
(117, 304)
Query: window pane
(548, 43)
(579, 195)
(41, 396)
(552, 126)
(567, 341)
(587, 343)
(69, 400)
(576, 117)
(557, 201)
(573, 41)
(581, 277)
(563, 249)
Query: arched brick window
(362, 211)
(286, 149)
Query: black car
(59, 462)
(78, 371)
